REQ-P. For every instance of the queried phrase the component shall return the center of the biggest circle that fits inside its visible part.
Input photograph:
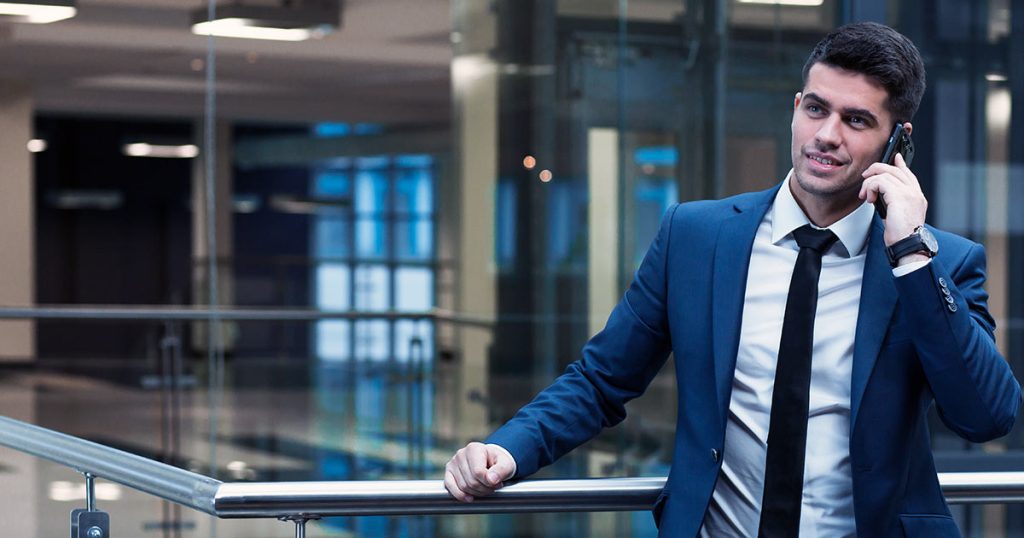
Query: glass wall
(391, 231)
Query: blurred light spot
(197, 64)
(545, 175)
(36, 145)
(62, 490)
(529, 162)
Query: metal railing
(302, 501)
(200, 313)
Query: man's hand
(477, 470)
(899, 189)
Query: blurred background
(423, 208)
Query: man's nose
(829, 131)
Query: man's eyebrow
(863, 112)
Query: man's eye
(857, 121)
(815, 110)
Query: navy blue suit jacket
(912, 348)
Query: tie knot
(817, 240)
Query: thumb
(501, 469)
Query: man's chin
(822, 185)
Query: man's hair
(882, 54)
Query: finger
(451, 483)
(471, 476)
(500, 470)
(869, 190)
(464, 480)
(476, 456)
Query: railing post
(90, 492)
(90, 522)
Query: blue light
(414, 161)
(656, 155)
(329, 130)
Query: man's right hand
(477, 470)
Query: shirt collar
(852, 230)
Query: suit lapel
(877, 302)
(732, 258)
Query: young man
(859, 322)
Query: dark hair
(883, 55)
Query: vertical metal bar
(300, 528)
(90, 492)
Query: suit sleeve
(976, 393)
(616, 366)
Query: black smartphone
(899, 142)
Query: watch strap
(908, 245)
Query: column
(17, 220)
(223, 214)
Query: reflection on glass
(333, 340)
(372, 288)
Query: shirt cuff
(909, 268)
(509, 454)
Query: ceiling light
(294, 21)
(802, 3)
(996, 77)
(36, 145)
(104, 200)
(143, 149)
(37, 11)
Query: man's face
(840, 125)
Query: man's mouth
(824, 161)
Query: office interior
(435, 203)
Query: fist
(477, 470)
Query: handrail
(429, 497)
(165, 481)
(201, 313)
(393, 497)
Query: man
(860, 328)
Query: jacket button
(715, 455)
(952, 307)
(942, 282)
(945, 291)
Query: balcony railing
(302, 501)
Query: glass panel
(414, 289)
(372, 341)
(333, 287)
(372, 288)
(334, 340)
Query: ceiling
(389, 63)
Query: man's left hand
(898, 187)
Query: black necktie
(787, 432)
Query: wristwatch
(920, 241)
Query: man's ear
(796, 100)
(908, 127)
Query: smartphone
(899, 142)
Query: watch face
(929, 240)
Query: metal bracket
(300, 522)
(89, 524)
